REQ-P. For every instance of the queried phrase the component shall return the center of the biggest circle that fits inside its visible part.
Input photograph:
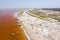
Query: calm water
(8, 26)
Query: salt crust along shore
(38, 29)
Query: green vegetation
(57, 19)
(36, 12)
(55, 16)
(37, 15)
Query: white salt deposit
(38, 29)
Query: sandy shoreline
(45, 31)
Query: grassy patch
(57, 19)
(38, 16)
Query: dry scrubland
(51, 14)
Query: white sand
(38, 29)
